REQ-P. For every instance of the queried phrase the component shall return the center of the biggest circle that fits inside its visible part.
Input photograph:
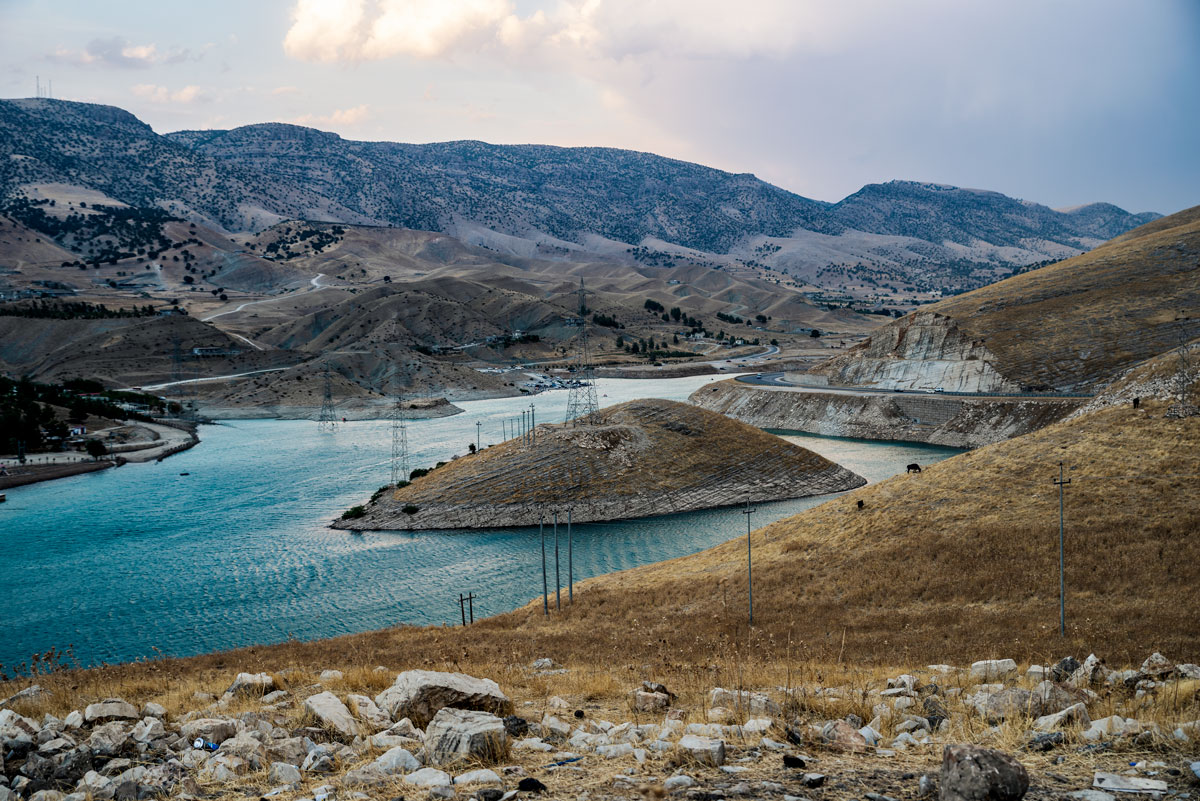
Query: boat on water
(3, 497)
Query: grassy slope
(1087, 318)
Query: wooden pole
(570, 563)
(557, 581)
(545, 584)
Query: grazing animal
(1137, 402)
(860, 504)
(914, 468)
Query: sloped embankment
(956, 422)
(641, 458)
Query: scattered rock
(705, 750)
(745, 701)
(1091, 672)
(396, 761)
(109, 710)
(213, 730)
(328, 676)
(1157, 666)
(1063, 669)
(530, 785)
(251, 684)
(971, 773)
(480, 776)
(840, 734)
(457, 735)
(650, 702)
(814, 780)
(153, 710)
(794, 762)
(516, 726)
(1075, 714)
(30, 693)
(332, 713)
(109, 739)
(428, 777)
(419, 694)
(1011, 702)
(283, 773)
(149, 730)
(366, 710)
(992, 670)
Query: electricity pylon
(326, 420)
(582, 399)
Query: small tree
(95, 448)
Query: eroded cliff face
(937, 420)
(924, 350)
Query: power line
(582, 400)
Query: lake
(140, 561)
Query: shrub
(409, 509)
(354, 512)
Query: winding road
(778, 381)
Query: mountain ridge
(615, 202)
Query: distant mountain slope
(248, 178)
(1071, 325)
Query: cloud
(285, 90)
(340, 117)
(161, 94)
(117, 51)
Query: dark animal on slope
(914, 468)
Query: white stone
(16, 729)
(332, 713)
(110, 709)
(100, 788)
(419, 694)
(73, 720)
(428, 777)
(614, 751)
(745, 701)
(366, 710)
(774, 745)
(992, 669)
(330, 676)
(396, 761)
(480, 776)
(153, 710)
(757, 725)
(456, 735)
(214, 730)
(108, 739)
(705, 750)
(283, 773)
(148, 730)
(556, 727)
(680, 782)
(251, 684)
(1076, 713)
(532, 744)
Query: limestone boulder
(16, 732)
(283, 773)
(989, 670)
(841, 734)
(396, 762)
(109, 739)
(213, 730)
(109, 710)
(1072, 715)
(743, 701)
(1009, 703)
(366, 711)
(650, 702)
(251, 684)
(149, 730)
(332, 713)
(419, 694)
(428, 777)
(705, 750)
(460, 735)
(971, 773)
(1091, 672)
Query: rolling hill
(1073, 325)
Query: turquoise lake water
(140, 561)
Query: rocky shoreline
(988, 731)
(955, 422)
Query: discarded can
(201, 743)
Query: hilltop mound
(1072, 325)
(636, 459)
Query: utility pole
(749, 559)
(462, 610)
(570, 563)
(557, 580)
(1062, 582)
(478, 427)
(532, 425)
(545, 584)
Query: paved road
(213, 378)
(777, 381)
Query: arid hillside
(1072, 325)
(635, 459)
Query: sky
(1061, 102)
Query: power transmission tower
(582, 399)
(325, 420)
(399, 435)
